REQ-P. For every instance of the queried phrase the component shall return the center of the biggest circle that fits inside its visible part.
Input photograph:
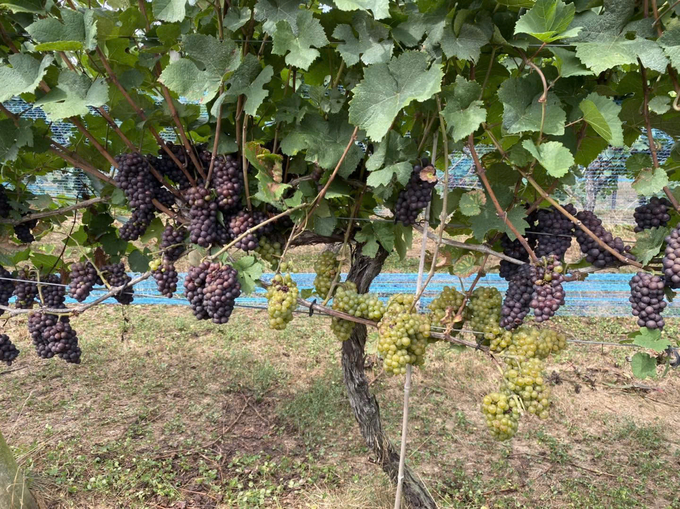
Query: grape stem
(73, 159)
(218, 128)
(480, 273)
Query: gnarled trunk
(14, 492)
(364, 404)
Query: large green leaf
(611, 52)
(217, 57)
(73, 95)
(650, 181)
(651, 339)
(298, 45)
(568, 65)
(464, 112)
(648, 244)
(522, 111)
(552, 155)
(379, 8)
(643, 365)
(169, 10)
(467, 45)
(603, 115)
(548, 21)
(24, 75)
(387, 88)
(372, 45)
(391, 158)
(271, 12)
(248, 80)
(77, 30)
(670, 42)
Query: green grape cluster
(528, 342)
(403, 334)
(271, 252)
(347, 300)
(282, 297)
(326, 268)
(484, 310)
(444, 308)
(502, 413)
(525, 380)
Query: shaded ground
(166, 411)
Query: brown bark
(364, 404)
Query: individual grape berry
(203, 214)
(553, 231)
(282, 297)
(647, 299)
(326, 267)
(347, 300)
(194, 284)
(221, 290)
(166, 277)
(653, 214)
(444, 308)
(25, 290)
(548, 293)
(403, 335)
(172, 242)
(8, 352)
(518, 297)
(53, 293)
(115, 276)
(525, 379)
(227, 180)
(416, 195)
(484, 313)
(139, 221)
(671, 258)
(595, 254)
(5, 207)
(502, 413)
(23, 231)
(6, 287)
(84, 277)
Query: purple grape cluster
(553, 231)
(172, 242)
(671, 258)
(221, 290)
(115, 276)
(548, 293)
(647, 299)
(53, 335)
(194, 283)
(227, 179)
(203, 214)
(6, 287)
(595, 254)
(166, 278)
(53, 293)
(84, 277)
(23, 231)
(25, 290)
(652, 214)
(513, 249)
(518, 297)
(415, 196)
(8, 352)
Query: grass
(167, 411)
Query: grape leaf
(464, 112)
(379, 8)
(297, 45)
(249, 80)
(660, 104)
(139, 262)
(488, 221)
(471, 203)
(643, 365)
(373, 233)
(32, 6)
(552, 155)
(568, 64)
(651, 339)
(236, 17)
(23, 76)
(548, 21)
(169, 10)
(650, 181)
(271, 12)
(249, 271)
(410, 32)
(670, 42)
(218, 57)
(73, 95)
(648, 244)
(467, 45)
(611, 52)
(372, 46)
(75, 31)
(603, 115)
(403, 238)
(387, 88)
(521, 110)
(392, 155)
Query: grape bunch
(671, 258)
(84, 277)
(241, 222)
(548, 293)
(139, 221)
(227, 179)
(518, 297)
(553, 231)
(6, 287)
(53, 335)
(502, 412)
(172, 242)
(528, 342)
(326, 267)
(203, 215)
(53, 293)
(167, 167)
(220, 292)
(525, 379)
(270, 251)
(652, 214)
(513, 249)
(8, 352)
(484, 311)
(647, 299)
(25, 290)
(596, 255)
(115, 276)
(166, 277)
(347, 300)
(416, 195)
(444, 308)
(282, 297)
(23, 231)
(194, 284)
(403, 335)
